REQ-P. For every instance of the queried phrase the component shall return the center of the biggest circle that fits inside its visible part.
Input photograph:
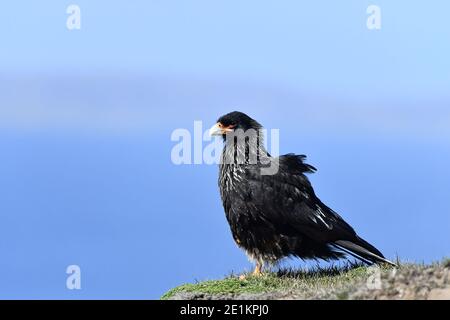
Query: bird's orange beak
(219, 129)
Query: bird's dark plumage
(277, 214)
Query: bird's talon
(257, 272)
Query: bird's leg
(258, 268)
(256, 273)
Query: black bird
(271, 206)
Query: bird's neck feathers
(244, 148)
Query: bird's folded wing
(289, 202)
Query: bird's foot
(253, 274)
(256, 273)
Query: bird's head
(232, 122)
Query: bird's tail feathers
(362, 250)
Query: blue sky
(86, 118)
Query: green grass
(333, 282)
(446, 262)
(284, 280)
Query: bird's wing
(295, 164)
(288, 201)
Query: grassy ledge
(352, 281)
